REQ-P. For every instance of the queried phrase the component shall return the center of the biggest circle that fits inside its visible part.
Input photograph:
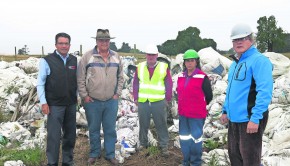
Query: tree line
(269, 38)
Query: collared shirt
(43, 72)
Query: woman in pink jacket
(194, 93)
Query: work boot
(113, 161)
(92, 160)
(164, 152)
(140, 148)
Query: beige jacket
(98, 79)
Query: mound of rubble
(27, 125)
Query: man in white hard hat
(152, 90)
(248, 96)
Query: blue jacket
(250, 86)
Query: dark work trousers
(245, 149)
(61, 118)
(159, 115)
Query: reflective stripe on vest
(199, 76)
(151, 89)
(188, 137)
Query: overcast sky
(36, 22)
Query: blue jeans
(191, 150)
(105, 113)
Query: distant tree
(113, 46)
(269, 37)
(23, 51)
(125, 48)
(136, 51)
(286, 47)
(186, 39)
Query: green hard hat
(189, 54)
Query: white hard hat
(240, 31)
(151, 49)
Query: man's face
(62, 45)
(151, 58)
(241, 45)
(103, 44)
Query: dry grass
(287, 54)
(142, 158)
(10, 58)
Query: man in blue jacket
(249, 93)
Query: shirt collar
(62, 57)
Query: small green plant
(30, 157)
(153, 150)
(3, 140)
(214, 161)
(4, 117)
(11, 89)
(211, 144)
(1, 117)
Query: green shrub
(30, 157)
(211, 144)
(153, 150)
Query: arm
(81, 78)
(224, 118)
(206, 87)
(43, 72)
(262, 73)
(168, 86)
(136, 86)
(120, 81)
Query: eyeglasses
(65, 44)
(240, 39)
(189, 60)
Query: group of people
(98, 80)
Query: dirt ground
(142, 158)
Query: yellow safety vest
(151, 89)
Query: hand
(252, 127)
(224, 119)
(88, 99)
(45, 109)
(116, 96)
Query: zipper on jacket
(238, 72)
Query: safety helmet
(240, 31)
(151, 49)
(189, 54)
